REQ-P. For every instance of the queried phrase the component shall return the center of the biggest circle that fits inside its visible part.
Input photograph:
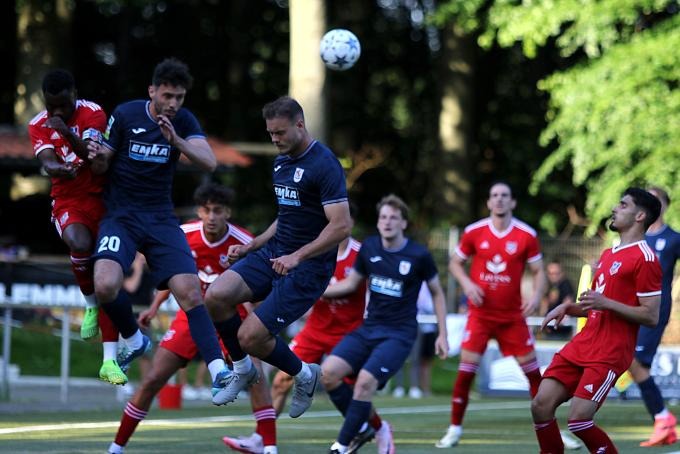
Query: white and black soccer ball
(340, 49)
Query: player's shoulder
(478, 225)
(135, 106)
(354, 245)
(192, 226)
(239, 233)
(88, 106)
(38, 119)
(646, 252)
(523, 227)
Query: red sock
(374, 420)
(131, 417)
(549, 438)
(266, 424)
(461, 391)
(109, 330)
(81, 264)
(533, 373)
(595, 439)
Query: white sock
(115, 448)
(215, 367)
(242, 366)
(110, 350)
(662, 414)
(135, 341)
(270, 450)
(341, 448)
(90, 300)
(304, 374)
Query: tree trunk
(44, 43)
(307, 72)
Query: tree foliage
(614, 109)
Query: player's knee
(540, 407)
(330, 378)
(80, 246)
(152, 383)
(190, 299)
(106, 289)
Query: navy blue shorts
(379, 352)
(648, 341)
(156, 235)
(284, 298)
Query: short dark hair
(503, 182)
(57, 81)
(285, 107)
(214, 193)
(662, 193)
(395, 202)
(172, 71)
(647, 201)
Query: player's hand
(441, 347)
(528, 307)
(167, 129)
(556, 314)
(66, 170)
(94, 151)
(474, 293)
(282, 265)
(57, 123)
(145, 317)
(235, 252)
(592, 300)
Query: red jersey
(497, 265)
(339, 316)
(211, 258)
(88, 115)
(623, 274)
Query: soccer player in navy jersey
(289, 265)
(394, 267)
(666, 244)
(142, 143)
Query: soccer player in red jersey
(209, 240)
(59, 136)
(500, 246)
(625, 293)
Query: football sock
(265, 417)
(203, 334)
(81, 264)
(595, 439)
(652, 396)
(533, 373)
(374, 420)
(215, 367)
(110, 350)
(549, 438)
(135, 341)
(461, 391)
(228, 331)
(242, 366)
(341, 397)
(305, 372)
(283, 358)
(90, 300)
(108, 329)
(131, 417)
(357, 414)
(120, 313)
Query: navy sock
(652, 396)
(228, 330)
(120, 313)
(357, 414)
(283, 358)
(203, 333)
(341, 397)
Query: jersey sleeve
(332, 182)
(360, 262)
(648, 278)
(428, 269)
(190, 129)
(466, 246)
(95, 119)
(40, 138)
(113, 134)
(533, 249)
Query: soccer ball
(340, 49)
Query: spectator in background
(560, 290)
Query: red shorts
(590, 383)
(178, 340)
(513, 337)
(310, 347)
(87, 210)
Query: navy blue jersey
(143, 165)
(666, 244)
(394, 278)
(302, 186)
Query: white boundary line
(223, 419)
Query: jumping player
(289, 265)
(209, 240)
(142, 143)
(395, 268)
(59, 135)
(625, 293)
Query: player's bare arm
(99, 156)
(647, 313)
(54, 167)
(473, 292)
(540, 284)
(337, 229)
(78, 145)
(196, 149)
(441, 344)
(344, 287)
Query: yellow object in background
(624, 381)
(583, 285)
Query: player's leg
(281, 385)
(550, 395)
(165, 363)
(516, 339)
(664, 421)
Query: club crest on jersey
(614, 268)
(224, 260)
(149, 152)
(287, 195)
(404, 267)
(660, 244)
(297, 176)
(511, 247)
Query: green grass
(492, 426)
